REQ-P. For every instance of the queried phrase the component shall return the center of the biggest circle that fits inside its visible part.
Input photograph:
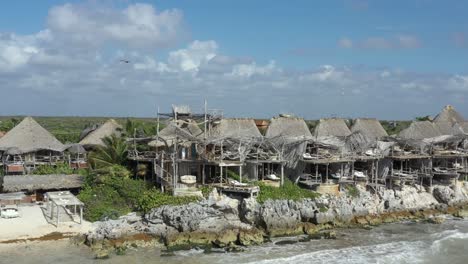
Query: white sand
(32, 224)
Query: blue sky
(350, 58)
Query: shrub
(233, 175)
(102, 202)
(352, 191)
(289, 191)
(59, 168)
(206, 190)
(153, 198)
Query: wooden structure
(27, 145)
(63, 202)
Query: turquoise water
(391, 243)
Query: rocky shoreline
(230, 224)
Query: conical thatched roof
(107, 129)
(332, 127)
(28, 136)
(235, 128)
(463, 127)
(446, 128)
(182, 129)
(449, 114)
(288, 127)
(370, 127)
(420, 130)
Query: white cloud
(190, 59)
(458, 83)
(139, 25)
(248, 70)
(69, 66)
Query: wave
(450, 246)
(394, 252)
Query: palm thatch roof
(236, 128)
(186, 130)
(446, 128)
(420, 130)
(94, 138)
(449, 114)
(41, 182)
(28, 136)
(370, 127)
(291, 127)
(332, 127)
(463, 127)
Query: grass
(289, 191)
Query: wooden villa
(364, 144)
(27, 145)
(229, 145)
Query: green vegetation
(423, 118)
(7, 124)
(323, 209)
(352, 191)
(110, 192)
(289, 191)
(153, 198)
(115, 151)
(394, 127)
(233, 175)
(206, 190)
(59, 168)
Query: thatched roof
(463, 127)
(28, 136)
(107, 129)
(446, 128)
(288, 127)
(449, 114)
(370, 127)
(420, 130)
(75, 149)
(332, 127)
(235, 128)
(181, 129)
(41, 182)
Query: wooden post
(203, 173)
(57, 215)
(81, 214)
(240, 173)
(282, 174)
(326, 174)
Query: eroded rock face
(223, 222)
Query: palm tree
(114, 152)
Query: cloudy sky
(350, 58)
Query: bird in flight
(124, 61)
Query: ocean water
(392, 243)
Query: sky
(314, 59)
